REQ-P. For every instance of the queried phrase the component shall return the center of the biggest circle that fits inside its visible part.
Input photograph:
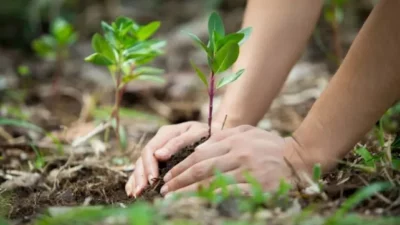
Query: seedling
(55, 46)
(124, 49)
(222, 52)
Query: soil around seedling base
(153, 191)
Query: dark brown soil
(91, 185)
(154, 191)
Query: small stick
(223, 124)
(98, 129)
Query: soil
(154, 190)
(90, 186)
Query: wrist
(304, 157)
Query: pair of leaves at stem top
(62, 35)
(222, 50)
(125, 47)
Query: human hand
(233, 152)
(168, 140)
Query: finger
(177, 143)
(235, 189)
(140, 178)
(226, 133)
(200, 154)
(200, 171)
(130, 185)
(235, 174)
(161, 138)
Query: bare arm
(281, 29)
(365, 86)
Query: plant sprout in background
(222, 52)
(124, 49)
(334, 15)
(55, 46)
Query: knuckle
(198, 172)
(175, 143)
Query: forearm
(365, 86)
(281, 29)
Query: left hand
(233, 152)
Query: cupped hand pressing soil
(153, 191)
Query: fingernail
(163, 152)
(151, 179)
(137, 190)
(164, 190)
(167, 177)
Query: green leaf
(199, 73)
(317, 172)
(123, 24)
(227, 80)
(99, 59)
(106, 27)
(198, 42)
(225, 57)
(148, 71)
(147, 31)
(361, 195)
(101, 46)
(62, 31)
(366, 155)
(235, 38)
(123, 137)
(152, 78)
(45, 46)
(215, 24)
(20, 123)
(247, 32)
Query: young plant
(222, 52)
(124, 49)
(55, 46)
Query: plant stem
(58, 71)
(211, 101)
(115, 113)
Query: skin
(363, 88)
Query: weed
(222, 52)
(124, 48)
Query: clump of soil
(154, 191)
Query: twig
(223, 123)
(97, 130)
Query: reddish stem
(211, 93)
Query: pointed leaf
(148, 71)
(45, 46)
(100, 45)
(152, 78)
(215, 24)
(198, 42)
(235, 37)
(247, 32)
(225, 57)
(200, 74)
(227, 80)
(106, 27)
(99, 59)
(147, 31)
(366, 155)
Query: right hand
(168, 140)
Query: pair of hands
(231, 151)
